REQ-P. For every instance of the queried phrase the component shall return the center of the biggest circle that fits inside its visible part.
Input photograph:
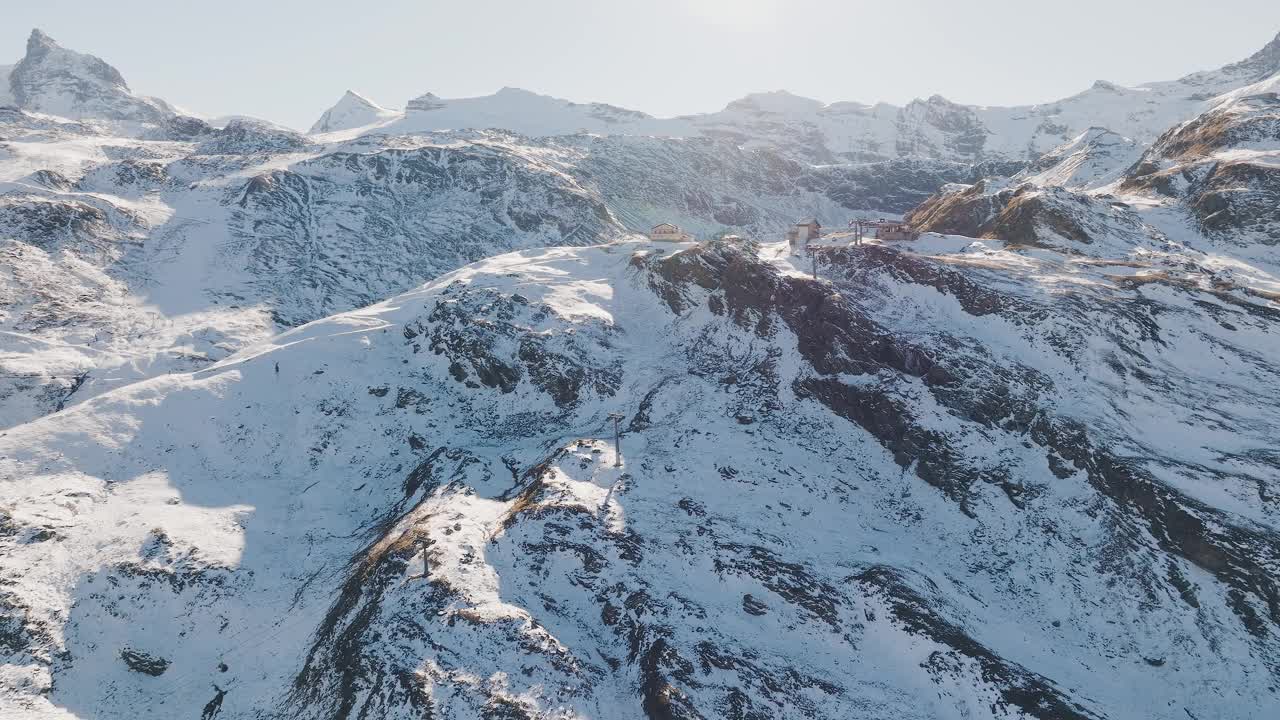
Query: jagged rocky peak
(941, 113)
(41, 47)
(1261, 64)
(54, 80)
(6, 96)
(352, 111)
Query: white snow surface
(352, 111)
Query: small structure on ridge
(894, 230)
(666, 232)
(799, 236)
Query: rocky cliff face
(1094, 159)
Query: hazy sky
(288, 60)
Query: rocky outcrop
(248, 137)
(965, 210)
(501, 341)
(139, 661)
(1221, 164)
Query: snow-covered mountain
(1211, 180)
(812, 131)
(53, 80)
(1225, 164)
(918, 487)
(317, 426)
(352, 111)
(1095, 158)
(208, 235)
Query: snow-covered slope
(230, 230)
(1095, 158)
(957, 481)
(513, 109)
(352, 111)
(229, 233)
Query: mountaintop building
(798, 237)
(666, 232)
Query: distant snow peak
(777, 101)
(39, 42)
(353, 110)
(54, 80)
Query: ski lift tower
(617, 438)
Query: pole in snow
(617, 438)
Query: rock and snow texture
(1025, 468)
(1095, 158)
(922, 487)
(1224, 164)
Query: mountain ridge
(849, 131)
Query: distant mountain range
(806, 129)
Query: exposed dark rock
(145, 663)
(965, 211)
(752, 606)
(471, 329)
